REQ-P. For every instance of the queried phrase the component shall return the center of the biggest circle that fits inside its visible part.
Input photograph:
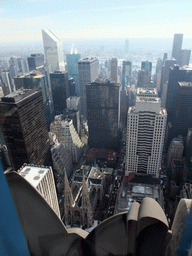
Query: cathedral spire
(68, 200)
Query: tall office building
(177, 45)
(126, 74)
(23, 66)
(145, 136)
(114, 70)
(103, 113)
(184, 57)
(6, 82)
(179, 114)
(60, 90)
(144, 79)
(165, 75)
(146, 65)
(72, 68)
(24, 128)
(177, 74)
(38, 82)
(42, 179)
(53, 51)
(35, 60)
(88, 72)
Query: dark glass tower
(23, 124)
(179, 102)
(103, 113)
(72, 68)
(177, 45)
(60, 90)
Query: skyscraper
(184, 57)
(53, 51)
(146, 65)
(88, 72)
(144, 79)
(35, 60)
(165, 75)
(39, 82)
(126, 74)
(114, 70)
(72, 68)
(177, 45)
(103, 113)
(177, 74)
(60, 90)
(145, 136)
(179, 114)
(23, 124)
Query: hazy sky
(23, 20)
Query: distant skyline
(23, 20)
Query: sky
(23, 20)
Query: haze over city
(23, 20)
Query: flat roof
(18, 95)
(146, 91)
(33, 174)
(148, 99)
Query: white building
(73, 102)
(68, 136)
(42, 179)
(53, 51)
(62, 160)
(145, 136)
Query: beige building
(145, 136)
(42, 179)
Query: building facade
(175, 150)
(42, 179)
(103, 107)
(68, 136)
(60, 90)
(72, 68)
(38, 82)
(35, 60)
(126, 73)
(53, 51)
(88, 72)
(24, 128)
(145, 136)
(177, 45)
(114, 70)
(184, 57)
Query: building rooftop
(49, 33)
(186, 84)
(146, 92)
(148, 99)
(18, 95)
(87, 59)
(33, 174)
